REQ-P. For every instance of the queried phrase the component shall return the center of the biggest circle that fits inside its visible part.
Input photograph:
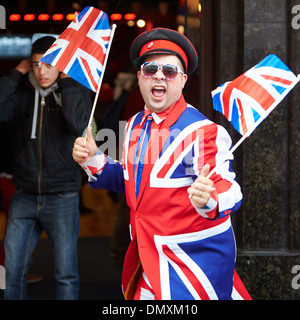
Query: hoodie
(45, 126)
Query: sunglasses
(170, 71)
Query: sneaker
(32, 278)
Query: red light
(70, 16)
(14, 17)
(29, 17)
(129, 16)
(116, 16)
(43, 17)
(57, 17)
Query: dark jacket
(44, 164)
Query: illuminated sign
(15, 46)
(18, 46)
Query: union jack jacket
(185, 252)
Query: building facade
(235, 36)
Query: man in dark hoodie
(49, 110)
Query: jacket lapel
(130, 148)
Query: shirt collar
(158, 117)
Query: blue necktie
(140, 153)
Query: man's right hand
(24, 66)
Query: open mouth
(158, 91)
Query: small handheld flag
(81, 49)
(250, 98)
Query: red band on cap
(164, 45)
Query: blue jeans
(29, 215)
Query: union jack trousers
(183, 252)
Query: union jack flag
(250, 98)
(80, 50)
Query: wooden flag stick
(113, 28)
(246, 135)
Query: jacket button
(137, 215)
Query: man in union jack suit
(182, 243)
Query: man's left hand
(200, 191)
